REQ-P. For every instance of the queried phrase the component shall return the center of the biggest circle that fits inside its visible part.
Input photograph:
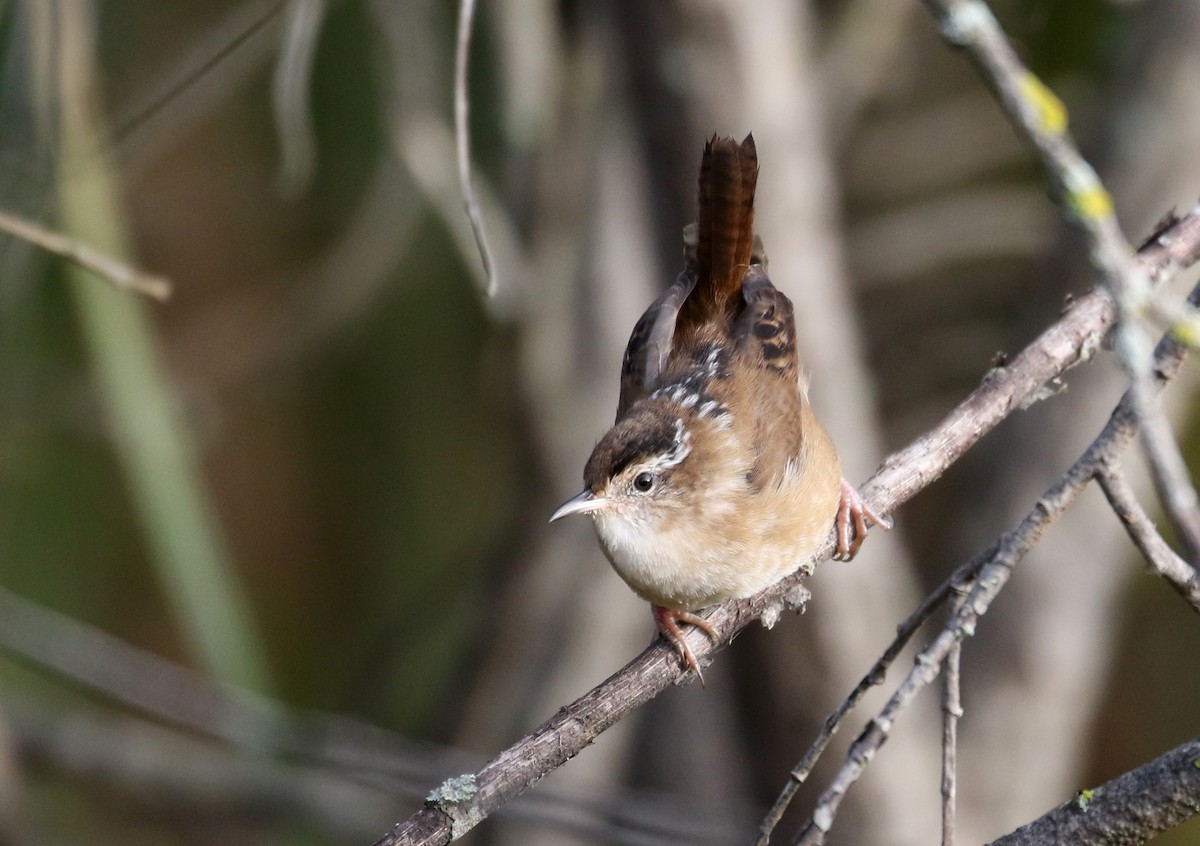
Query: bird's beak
(581, 504)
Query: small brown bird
(716, 480)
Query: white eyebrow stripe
(681, 449)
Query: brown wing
(765, 338)
(650, 343)
(765, 332)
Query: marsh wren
(716, 480)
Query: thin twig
(462, 140)
(1170, 475)
(222, 56)
(951, 712)
(423, 141)
(119, 273)
(1070, 341)
(1169, 472)
(874, 677)
(1158, 554)
(993, 576)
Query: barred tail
(725, 229)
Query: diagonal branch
(1169, 472)
(1041, 118)
(1131, 808)
(461, 803)
(956, 584)
(1158, 554)
(1029, 377)
(119, 273)
(455, 808)
(999, 560)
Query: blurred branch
(353, 759)
(998, 563)
(1169, 471)
(136, 677)
(1073, 339)
(291, 92)
(225, 55)
(930, 148)
(119, 273)
(1158, 554)
(1131, 808)
(423, 142)
(462, 140)
(928, 236)
(146, 765)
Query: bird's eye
(643, 481)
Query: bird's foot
(668, 620)
(851, 522)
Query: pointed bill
(581, 504)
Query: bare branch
(874, 677)
(951, 712)
(1129, 809)
(183, 90)
(1028, 378)
(462, 138)
(1159, 256)
(1169, 472)
(1041, 118)
(120, 274)
(1158, 554)
(1073, 339)
(999, 561)
(153, 685)
(423, 141)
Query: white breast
(672, 568)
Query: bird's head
(638, 473)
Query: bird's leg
(851, 522)
(668, 619)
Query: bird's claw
(668, 620)
(851, 522)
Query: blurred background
(316, 480)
